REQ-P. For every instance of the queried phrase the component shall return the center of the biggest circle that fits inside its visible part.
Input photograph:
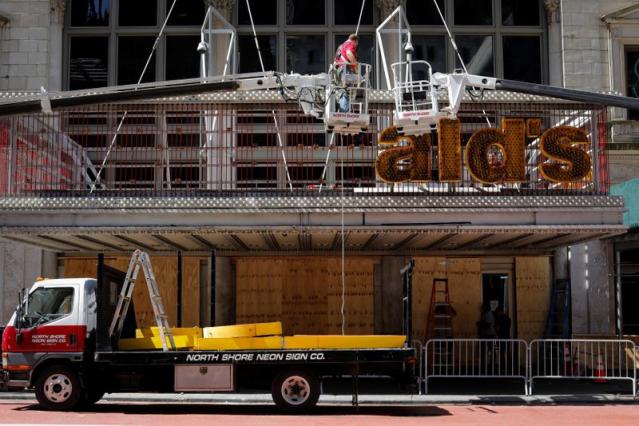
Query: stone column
(58, 8)
(555, 53)
(390, 41)
(592, 295)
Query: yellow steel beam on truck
(244, 330)
(239, 343)
(343, 342)
(176, 331)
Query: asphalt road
(157, 414)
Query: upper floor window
(108, 41)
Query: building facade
(226, 232)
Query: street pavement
(183, 414)
(257, 409)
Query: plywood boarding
(306, 294)
(165, 270)
(426, 268)
(359, 309)
(464, 281)
(191, 291)
(533, 295)
(258, 290)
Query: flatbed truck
(57, 344)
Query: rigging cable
(473, 96)
(277, 126)
(146, 65)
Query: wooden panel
(464, 281)
(359, 301)
(258, 290)
(165, 270)
(190, 291)
(80, 268)
(426, 268)
(304, 308)
(533, 295)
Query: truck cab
(52, 324)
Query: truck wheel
(295, 390)
(58, 388)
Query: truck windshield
(48, 304)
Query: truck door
(52, 321)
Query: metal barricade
(582, 359)
(476, 358)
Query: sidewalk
(401, 400)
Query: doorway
(495, 289)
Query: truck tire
(295, 390)
(58, 388)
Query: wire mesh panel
(196, 148)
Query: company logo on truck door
(491, 155)
(256, 357)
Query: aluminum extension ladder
(141, 259)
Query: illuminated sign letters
(491, 155)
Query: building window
(473, 12)
(101, 50)
(632, 77)
(249, 60)
(88, 65)
(181, 59)
(90, 13)
(304, 12)
(502, 38)
(305, 54)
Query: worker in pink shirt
(346, 65)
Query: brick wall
(27, 60)
(585, 37)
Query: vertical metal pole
(101, 292)
(179, 288)
(618, 295)
(212, 267)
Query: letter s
(570, 163)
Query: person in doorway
(346, 66)
(486, 324)
(502, 323)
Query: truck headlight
(5, 361)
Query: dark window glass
(305, 54)
(248, 58)
(431, 49)
(138, 12)
(189, 12)
(89, 13)
(522, 58)
(347, 12)
(182, 59)
(132, 55)
(520, 12)
(264, 12)
(421, 12)
(305, 12)
(473, 12)
(88, 62)
(477, 53)
(632, 78)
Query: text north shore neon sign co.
(564, 159)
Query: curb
(399, 400)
